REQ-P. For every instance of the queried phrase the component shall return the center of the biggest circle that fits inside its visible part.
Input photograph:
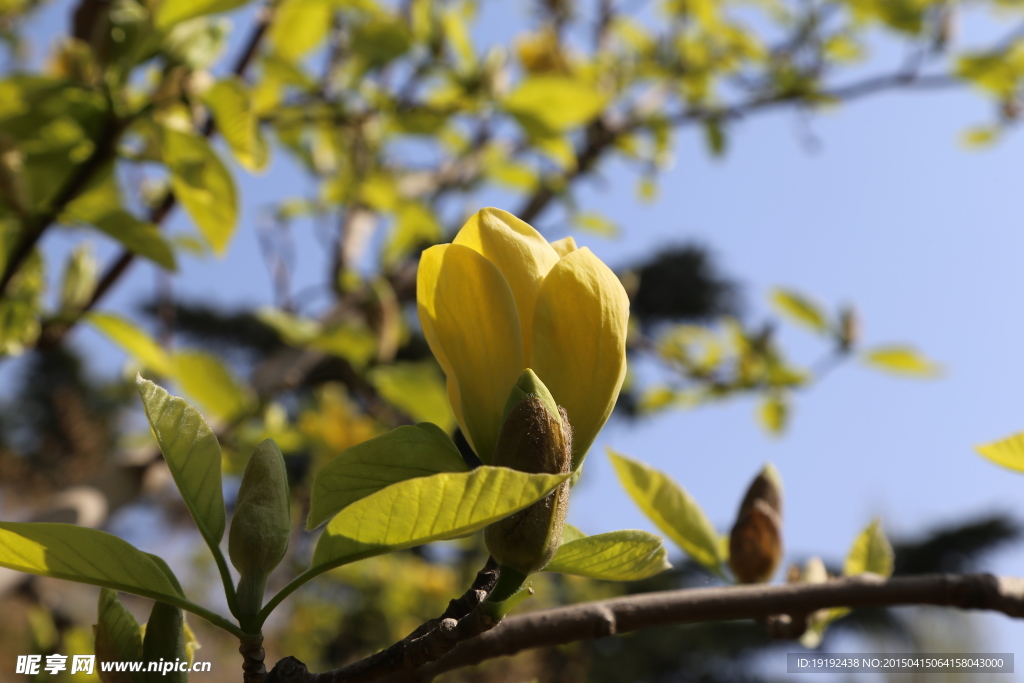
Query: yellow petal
(564, 246)
(521, 253)
(469, 319)
(579, 342)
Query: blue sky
(890, 214)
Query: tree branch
(429, 642)
(590, 621)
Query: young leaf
(871, 552)
(165, 642)
(549, 105)
(800, 309)
(206, 379)
(118, 637)
(901, 360)
(773, 412)
(571, 533)
(171, 12)
(231, 105)
(1008, 452)
(628, 555)
(425, 509)
(138, 237)
(418, 389)
(65, 551)
(299, 26)
(671, 509)
(192, 453)
(403, 453)
(203, 185)
(133, 341)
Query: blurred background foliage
(138, 108)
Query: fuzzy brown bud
(536, 441)
(755, 544)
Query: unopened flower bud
(261, 524)
(755, 544)
(537, 440)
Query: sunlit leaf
(65, 551)
(203, 186)
(426, 509)
(206, 379)
(403, 453)
(417, 389)
(671, 509)
(773, 412)
(628, 555)
(596, 223)
(133, 341)
(548, 105)
(871, 552)
(800, 309)
(299, 26)
(901, 360)
(193, 456)
(79, 281)
(1008, 452)
(171, 12)
(231, 105)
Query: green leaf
(550, 105)
(165, 641)
(425, 509)
(79, 280)
(901, 360)
(352, 340)
(66, 551)
(100, 206)
(206, 379)
(417, 389)
(118, 637)
(415, 225)
(570, 534)
(299, 26)
(403, 453)
(773, 412)
(380, 40)
(171, 12)
(671, 509)
(714, 134)
(231, 106)
(595, 223)
(871, 552)
(1008, 452)
(192, 453)
(203, 185)
(140, 346)
(800, 309)
(628, 555)
(138, 237)
(20, 306)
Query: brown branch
(782, 607)
(599, 136)
(429, 642)
(590, 621)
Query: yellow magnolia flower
(501, 299)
